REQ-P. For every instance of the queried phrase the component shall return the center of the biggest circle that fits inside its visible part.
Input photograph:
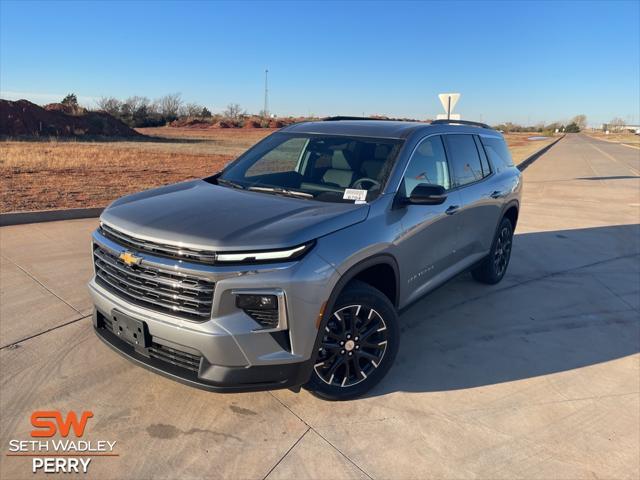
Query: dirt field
(43, 175)
(521, 147)
(67, 174)
(625, 138)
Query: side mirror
(427, 194)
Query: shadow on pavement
(467, 335)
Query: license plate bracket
(132, 331)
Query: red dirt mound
(64, 108)
(23, 118)
(191, 123)
(223, 124)
(252, 123)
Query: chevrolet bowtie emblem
(130, 259)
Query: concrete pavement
(536, 377)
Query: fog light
(257, 302)
(262, 308)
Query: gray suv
(288, 267)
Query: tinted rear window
(497, 152)
(486, 169)
(464, 159)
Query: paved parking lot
(537, 377)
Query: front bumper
(210, 377)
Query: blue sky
(512, 61)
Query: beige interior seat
(340, 173)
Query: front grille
(175, 357)
(186, 296)
(159, 249)
(166, 354)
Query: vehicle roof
(380, 128)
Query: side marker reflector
(320, 315)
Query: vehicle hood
(207, 216)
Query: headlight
(264, 256)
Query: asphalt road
(536, 377)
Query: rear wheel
(494, 266)
(359, 343)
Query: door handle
(452, 209)
(496, 194)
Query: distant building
(620, 128)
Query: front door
(427, 246)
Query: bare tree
(137, 103)
(155, 106)
(617, 124)
(580, 120)
(169, 105)
(233, 111)
(111, 105)
(193, 110)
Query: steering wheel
(357, 183)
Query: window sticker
(355, 194)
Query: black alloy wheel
(353, 346)
(357, 344)
(503, 250)
(494, 266)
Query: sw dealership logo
(60, 455)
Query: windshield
(317, 167)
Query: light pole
(266, 93)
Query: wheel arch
(511, 211)
(366, 271)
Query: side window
(428, 164)
(464, 158)
(497, 152)
(486, 168)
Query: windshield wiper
(229, 183)
(282, 191)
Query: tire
(366, 323)
(494, 266)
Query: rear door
(480, 206)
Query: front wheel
(494, 266)
(359, 343)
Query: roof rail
(461, 122)
(340, 117)
(373, 119)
